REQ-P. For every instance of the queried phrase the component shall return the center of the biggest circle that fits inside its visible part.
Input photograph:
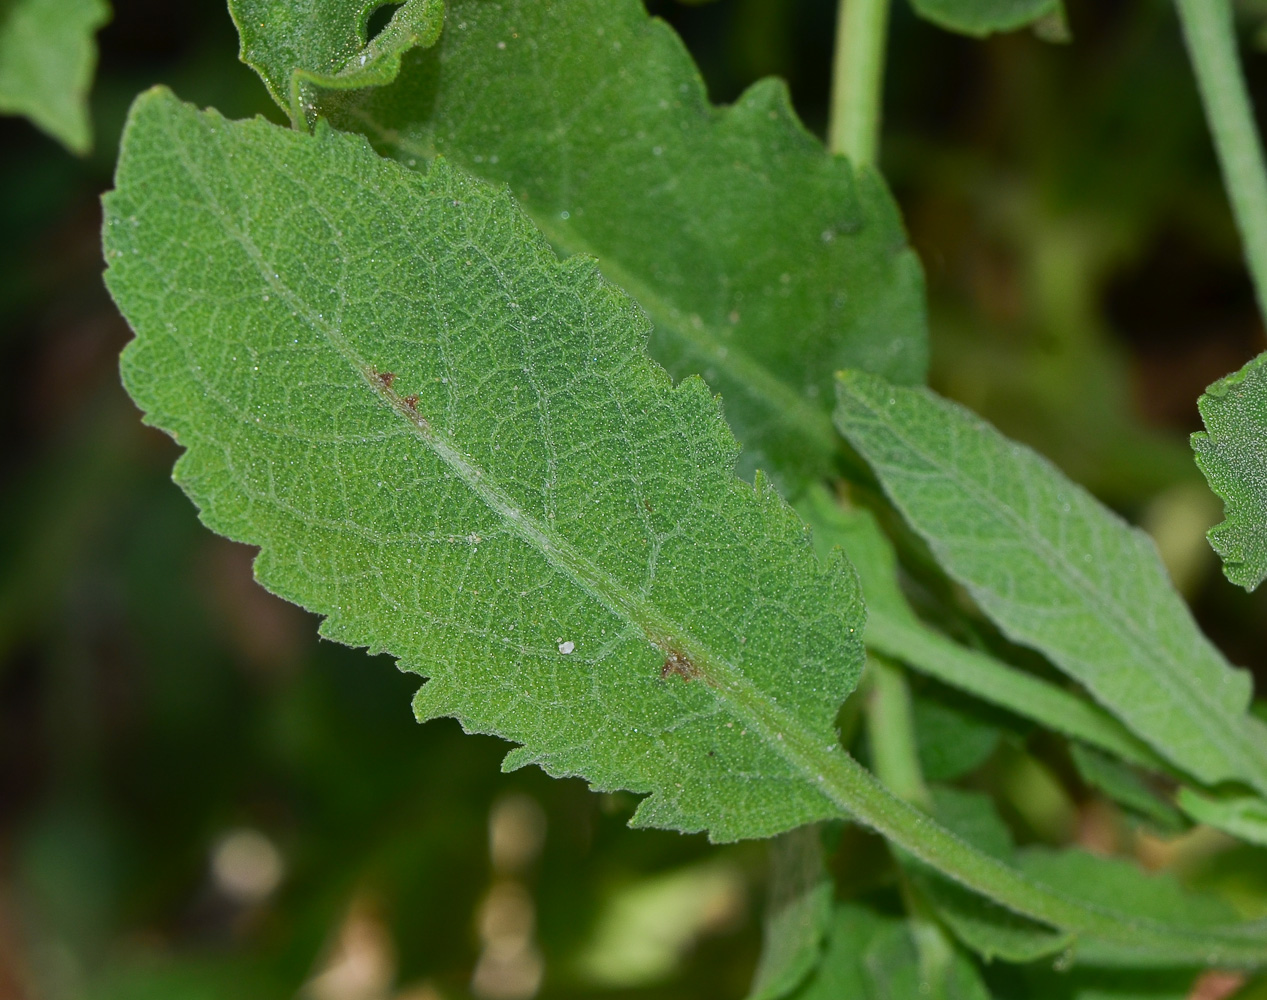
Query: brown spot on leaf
(412, 403)
(387, 378)
(677, 662)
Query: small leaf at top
(455, 448)
(984, 17)
(1058, 571)
(299, 48)
(764, 263)
(1232, 452)
(47, 58)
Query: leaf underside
(47, 58)
(764, 264)
(1057, 571)
(456, 448)
(1232, 452)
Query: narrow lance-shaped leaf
(1232, 452)
(1059, 572)
(764, 263)
(47, 58)
(455, 448)
(301, 48)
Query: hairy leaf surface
(455, 448)
(301, 48)
(764, 263)
(47, 58)
(1058, 571)
(1232, 452)
(983, 17)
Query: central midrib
(1235, 750)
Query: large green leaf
(303, 48)
(983, 17)
(454, 447)
(526, 510)
(47, 58)
(764, 263)
(1058, 571)
(1232, 452)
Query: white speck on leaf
(566, 647)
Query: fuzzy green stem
(858, 80)
(1210, 32)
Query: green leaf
(1059, 572)
(1241, 815)
(526, 510)
(952, 737)
(798, 914)
(874, 957)
(1120, 783)
(1232, 452)
(764, 263)
(983, 17)
(301, 48)
(1097, 882)
(1119, 884)
(47, 58)
(894, 630)
(453, 446)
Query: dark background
(1085, 286)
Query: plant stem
(891, 732)
(858, 80)
(1210, 32)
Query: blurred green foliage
(198, 798)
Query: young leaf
(47, 58)
(798, 914)
(1232, 452)
(763, 263)
(894, 630)
(983, 17)
(301, 48)
(455, 448)
(1059, 572)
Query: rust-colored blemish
(677, 662)
(387, 378)
(412, 403)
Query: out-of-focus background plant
(199, 799)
